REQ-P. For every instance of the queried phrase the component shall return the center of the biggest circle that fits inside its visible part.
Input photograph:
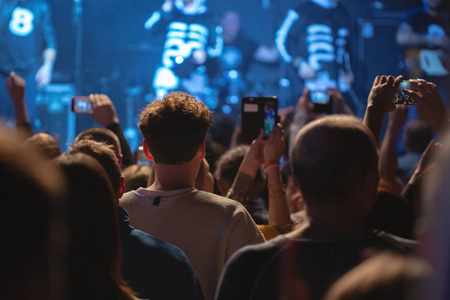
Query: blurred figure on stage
(191, 37)
(314, 38)
(239, 51)
(425, 33)
(27, 48)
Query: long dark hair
(94, 248)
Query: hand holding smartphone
(322, 102)
(82, 105)
(258, 113)
(401, 97)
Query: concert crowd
(317, 204)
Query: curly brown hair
(175, 127)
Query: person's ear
(146, 150)
(121, 190)
(202, 151)
(120, 160)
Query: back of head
(136, 176)
(332, 157)
(94, 249)
(104, 155)
(386, 276)
(101, 135)
(31, 203)
(45, 144)
(227, 168)
(175, 127)
(222, 129)
(417, 136)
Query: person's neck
(329, 222)
(174, 177)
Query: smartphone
(401, 97)
(141, 159)
(81, 105)
(258, 113)
(322, 102)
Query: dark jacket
(153, 268)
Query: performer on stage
(191, 37)
(314, 38)
(426, 35)
(27, 47)
(239, 51)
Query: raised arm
(388, 151)
(430, 107)
(253, 159)
(278, 209)
(105, 114)
(16, 89)
(380, 101)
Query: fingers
(307, 94)
(415, 96)
(377, 81)
(398, 81)
(390, 80)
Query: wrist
(48, 65)
(272, 168)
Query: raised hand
(383, 92)
(254, 157)
(304, 103)
(16, 87)
(338, 102)
(274, 147)
(430, 107)
(104, 111)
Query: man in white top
(207, 227)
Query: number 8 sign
(21, 23)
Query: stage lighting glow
(233, 99)
(226, 109)
(233, 74)
(284, 82)
(179, 59)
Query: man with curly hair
(207, 227)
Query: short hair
(227, 167)
(136, 176)
(101, 135)
(175, 127)
(417, 136)
(104, 155)
(386, 276)
(45, 144)
(332, 155)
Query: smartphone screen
(81, 105)
(258, 113)
(269, 118)
(320, 97)
(401, 97)
(322, 102)
(141, 159)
